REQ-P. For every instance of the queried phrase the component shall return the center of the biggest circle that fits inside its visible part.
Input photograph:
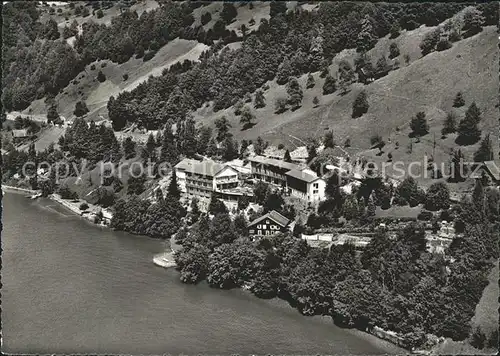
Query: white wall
(320, 195)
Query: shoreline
(166, 260)
(12, 189)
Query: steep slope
(96, 95)
(429, 83)
(426, 84)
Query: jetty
(165, 259)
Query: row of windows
(267, 232)
(264, 226)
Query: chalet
(269, 224)
(306, 185)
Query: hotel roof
(301, 175)
(273, 215)
(273, 162)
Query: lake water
(72, 287)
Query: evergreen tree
(204, 136)
(310, 81)
(450, 124)
(243, 148)
(259, 146)
(350, 208)
(222, 126)
(328, 140)
(360, 105)
(478, 194)
(346, 75)
(259, 101)
(212, 150)
(287, 157)
(330, 85)
(129, 147)
(419, 125)
(459, 100)
(473, 112)
(294, 93)
(370, 208)
(457, 168)
(485, 150)
(315, 101)
(173, 190)
(150, 148)
(230, 149)
(188, 141)
(285, 71)
(195, 211)
(312, 153)
(366, 38)
(468, 132)
(169, 152)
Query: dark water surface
(72, 287)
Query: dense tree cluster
(394, 284)
(92, 142)
(311, 39)
(161, 219)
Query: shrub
(125, 76)
(454, 36)
(92, 67)
(99, 13)
(430, 41)
(148, 55)
(84, 206)
(104, 64)
(425, 215)
(280, 105)
(459, 100)
(393, 50)
(443, 44)
(101, 77)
